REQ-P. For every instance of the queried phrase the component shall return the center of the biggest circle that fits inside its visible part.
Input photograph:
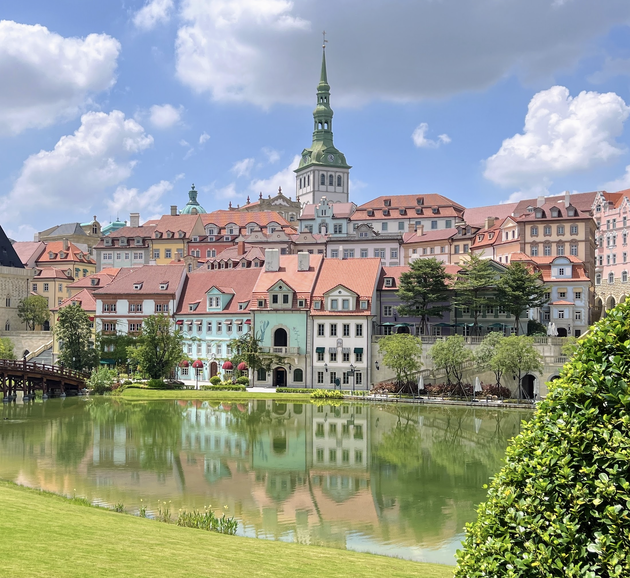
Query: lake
(398, 480)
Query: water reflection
(397, 480)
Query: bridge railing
(59, 370)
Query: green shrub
(327, 394)
(127, 382)
(101, 381)
(215, 380)
(157, 384)
(206, 520)
(224, 387)
(561, 504)
(243, 380)
(293, 390)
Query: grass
(147, 394)
(65, 538)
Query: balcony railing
(281, 350)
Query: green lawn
(44, 535)
(148, 394)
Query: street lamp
(352, 370)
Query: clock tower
(323, 171)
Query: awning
(447, 325)
(358, 349)
(320, 350)
(332, 350)
(108, 362)
(189, 322)
(179, 322)
(404, 325)
(345, 350)
(388, 324)
(199, 322)
(248, 322)
(499, 325)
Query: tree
(401, 353)
(33, 310)
(450, 355)
(159, 349)
(101, 381)
(559, 506)
(6, 348)
(486, 351)
(76, 342)
(248, 348)
(475, 279)
(520, 289)
(424, 291)
(516, 355)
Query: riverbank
(133, 394)
(65, 539)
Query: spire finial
(325, 41)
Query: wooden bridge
(28, 377)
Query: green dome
(192, 206)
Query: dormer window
(62, 255)
(261, 303)
(51, 255)
(138, 240)
(317, 305)
(435, 210)
(479, 237)
(181, 234)
(386, 212)
(403, 211)
(169, 234)
(158, 235)
(419, 211)
(491, 236)
(555, 212)
(195, 239)
(123, 241)
(163, 286)
(420, 200)
(363, 304)
(370, 213)
(193, 306)
(108, 242)
(301, 303)
(387, 202)
(137, 286)
(389, 281)
(334, 304)
(94, 281)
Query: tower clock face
(331, 158)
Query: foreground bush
(215, 380)
(206, 520)
(293, 390)
(101, 381)
(224, 387)
(561, 504)
(327, 394)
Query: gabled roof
(64, 230)
(84, 298)
(242, 219)
(28, 251)
(51, 273)
(239, 282)
(73, 254)
(102, 278)
(358, 275)
(433, 235)
(396, 272)
(175, 223)
(131, 232)
(410, 201)
(150, 276)
(339, 210)
(477, 215)
(581, 201)
(301, 281)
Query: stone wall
(14, 286)
(30, 340)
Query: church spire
(323, 77)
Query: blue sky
(119, 106)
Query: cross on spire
(325, 41)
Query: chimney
(340, 251)
(489, 223)
(567, 199)
(420, 230)
(240, 248)
(173, 210)
(134, 219)
(272, 259)
(541, 201)
(411, 227)
(65, 244)
(303, 261)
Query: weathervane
(325, 41)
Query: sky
(118, 106)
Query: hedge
(561, 504)
(293, 390)
(224, 388)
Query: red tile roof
(339, 210)
(175, 223)
(581, 201)
(242, 219)
(299, 281)
(73, 254)
(433, 235)
(238, 282)
(358, 275)
(84, 298)
(51, 273)
(477, 216)
(103, 278)
(29, 251)
(151, 277)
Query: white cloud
(73, 176)
(165, 115)
(154, 12)
(273, 156)
(611, 68)
(561, 135)
(620, 184)
(421, 141)
(204, 138)
(47, 78)
(125, 201)
(243, 167)
(284, 178)
(265, 51)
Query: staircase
(42, 354)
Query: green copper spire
(192, 206)
(323, 151)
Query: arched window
(624, 277)
(7, 326)
(338, 180)
(331, 181)
(611, 278)
(323, 180)
(280, 337)
(308, 180)
(298, 375)
(598, 279)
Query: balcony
(282, 350)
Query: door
(280, 377)
(527, 386)
(213, 369)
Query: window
(457, 249)
(383, 227)
(298, 375)
(358, 330)
(346, 330)
(547, 230)
(534, 231)
(560, 229)
(334, 254)
(345, 304)
(611, 278)
(465, 247)
(574, 250)
(261, 375)
(358, 380)
(135, 307)
(364, 304)
(387, 310)
(348, 253)
(219, 327)
(168, 254)
(261, 303)
(331, 180)
(560, 271)
(577, 295)
(393, 253)
(434, 224)
(547, 250)
(534, 250)
(333, 377)
(320, 356)
(45, 286)
(320, 377)
(274, 299)
(379, 253)
(320, 330)
(333, 330)
(34, 287)
(561, 314)
(624, 276)
(364, 253)
(338, 180)
(560, 249)
(109, 307)
(578, 316)
(334, 304)
(333, 356)
(322, 180)
(448, 223)
(338, 229)
(598, 279)
(285, 299)
(562, 294)
(573, 230)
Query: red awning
(228, 365)
(242, 366)
(248, 322)
(198, 364)
(180, 322)
(184, 363)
